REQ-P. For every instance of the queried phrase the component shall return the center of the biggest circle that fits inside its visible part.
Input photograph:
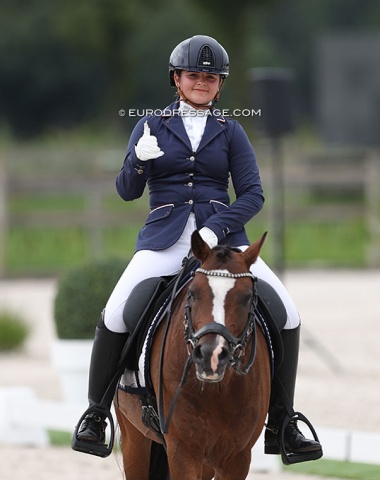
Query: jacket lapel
(175, 125)
(214, 126)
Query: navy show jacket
(183, 181)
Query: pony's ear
(199, 247)
(250, 255)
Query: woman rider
(186, 157)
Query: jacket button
(190, 184)
(192, 158)
(190, 202)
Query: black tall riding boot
(282, 434)
(89, 436)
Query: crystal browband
(219, 273)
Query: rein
(164, 425)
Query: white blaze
(220, 286)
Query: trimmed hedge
(82, 295)
(13, 331)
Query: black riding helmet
(199, 53)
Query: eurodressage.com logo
(237, 112)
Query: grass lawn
(331, 468)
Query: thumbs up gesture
(147, 147)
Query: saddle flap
(271, 302)
(140, 300)
(136, 314)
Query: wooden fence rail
(326, 173)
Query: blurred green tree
(44, 80)
(67, 63)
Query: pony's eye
(245, 299)
(191, 295)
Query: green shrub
(82, 295)
(13, 331)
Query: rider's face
(198, 87)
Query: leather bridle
(236, 345)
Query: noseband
(236, 345)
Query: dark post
(3, 213)
(272, 94)
(278, 211)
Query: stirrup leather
(100, 450)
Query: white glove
(147, 147)
(208, 236)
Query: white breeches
(149, 263)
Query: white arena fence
(25, 420)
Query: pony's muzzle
(211, 361)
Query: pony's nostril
(223, 356)
(197, 354)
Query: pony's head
(219, 314)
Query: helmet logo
(206, 57)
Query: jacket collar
(172, 120)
